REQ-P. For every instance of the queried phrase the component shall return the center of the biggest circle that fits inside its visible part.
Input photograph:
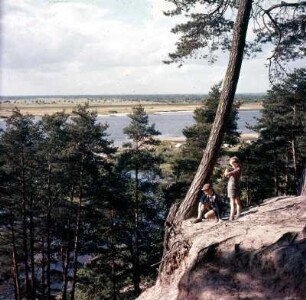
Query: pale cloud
(77, 43)
(102, 47)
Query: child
(233, 187)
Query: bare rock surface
(262, 255)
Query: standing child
(233, 187)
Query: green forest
(82, 219)
(188, 98)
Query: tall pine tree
(140, 165)
(274, 163)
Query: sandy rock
(262, 255)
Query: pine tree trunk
(294, 156)
(48, 260)
(43, 269)
(15, 265)
(65, 267)
(275, 172)
(188, 207)
(293, 145)
(303, 183)
(66, 255)
(77, 233)
(32, 241)
(25, 230)
(76, 250)
(113, 251)
(136, 269)
(287, 171)
(48, 222)
(248, 202)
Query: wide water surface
(170, 124)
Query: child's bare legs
(200, 211)
(232, 211)
(210, 215)
(238, 206)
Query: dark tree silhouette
(139, 158)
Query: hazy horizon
(113, 95)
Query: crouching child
(209, 205)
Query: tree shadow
(276, 271)
(244, 213)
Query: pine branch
(285, 4)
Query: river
(170, 124)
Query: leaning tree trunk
(189, 205)
(176, 248)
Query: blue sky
(64, 47)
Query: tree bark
(113, 253)
(48, 225)
(76, 249)
(303, 183)
(15, 264)
(43, 269)
(32, 241)
(188, 207)
(25, 229)
(136, 266)
(77, 233)
(275, 172)
(293, 145)
(66, 253)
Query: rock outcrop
(262, 255)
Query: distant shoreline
(116, 108)
(244, 137)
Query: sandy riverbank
(107, 108)
(244, 137)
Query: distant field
(103, 107)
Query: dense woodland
(81, 219)
(101, 99)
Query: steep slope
(262, 255)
